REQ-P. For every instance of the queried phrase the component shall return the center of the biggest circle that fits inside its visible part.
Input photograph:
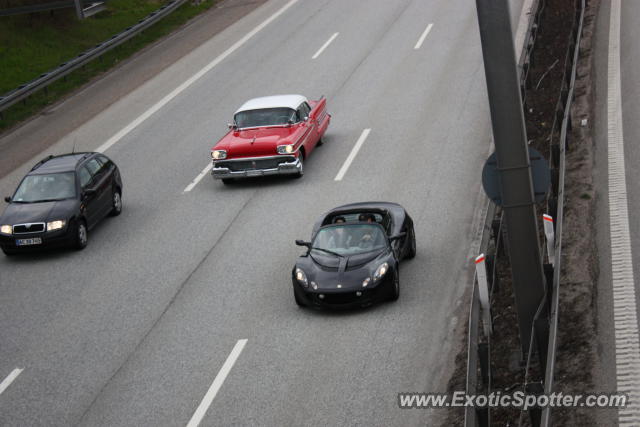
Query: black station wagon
(59, 200)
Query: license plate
(27, 242)
(254, 172)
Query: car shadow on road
(258, 182)
(351, 311)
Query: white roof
(277, 101)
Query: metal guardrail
(43, 7)
(62, 70)
(524, 63)
(565, 127)
(556, 203)
(474, 345)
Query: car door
(307, 139)
(398, 244)
(109, 169)
(320, 118)
(101, 183)
(90, 205)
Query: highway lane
(630, 76)
(133, 330)
(630, 91)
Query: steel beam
(512, 154)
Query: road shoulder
(37, 134)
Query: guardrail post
(482, 417)
(79, 9)
(535, 413)
(485, 366)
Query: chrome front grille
(254, 163)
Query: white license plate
(254, 173)
(27, 242)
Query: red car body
(270, 136)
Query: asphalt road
(134, 329)
(630, 95)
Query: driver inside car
(340, 238)
(366, 238)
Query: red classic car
(270, 136)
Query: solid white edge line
(422, 37)
(352, 155)
(627, 341)
(324, 46)
(164, 101)
(217, 383)
(10, 378)
(198, 178)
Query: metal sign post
(514, 170)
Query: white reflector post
(548, 232)
(483, 293)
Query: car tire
(81, 236)
(9, 252)
(411, 252)
(320, 142)
(301, 173)
(116, 203)
(395, 287)
(227, 181)
(299, 300)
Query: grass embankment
(34, 44)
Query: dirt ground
(576, 352)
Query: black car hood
(19, 213)
(346, 263)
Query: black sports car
(59, 200)
(353, 256)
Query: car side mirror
(7, 199)
(232, 126)
(306, 118)
(303, 243)
(397, 236)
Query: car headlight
(302, 278)
(380, 271)
(6, 229)
(55, 225)
(365, 282)
(219, 154)
(285, 149)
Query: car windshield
(46, 187)
(350, 239)
(264, 117)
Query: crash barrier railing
(479, 350)
(44, 7)
(525, 61)
(558, 161)
(62, 70)
(479, 345)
